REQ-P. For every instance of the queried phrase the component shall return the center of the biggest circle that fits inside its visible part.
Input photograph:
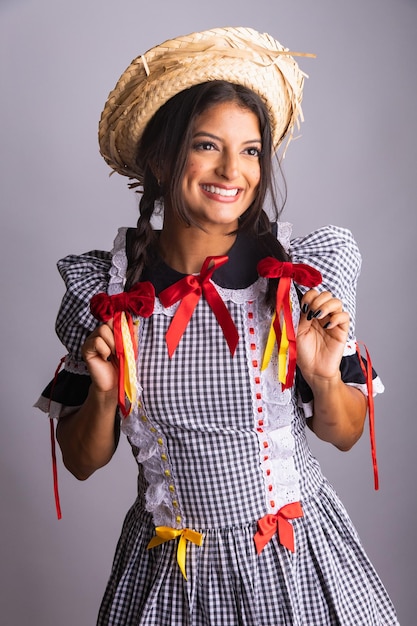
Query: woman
(219, 342)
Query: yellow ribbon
(166, 533)
(283, 355)
(282, 350)
(130, 362)
(270, 343)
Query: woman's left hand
(322, 335)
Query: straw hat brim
(238, 55)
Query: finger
(325, 308)
(106, 331)
(334, 320)
(96, 346)
(308, 299)
(100, 342)
(318, 305)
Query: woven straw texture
(238, 55)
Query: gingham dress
(219, 446)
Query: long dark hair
(162, 157)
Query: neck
(185, 249)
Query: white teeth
(220, 191)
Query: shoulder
(84, 270)
(85, 275)
(94, 270)
(332, 250)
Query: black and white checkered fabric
(84, 276)
(335, 253)
(202, 465)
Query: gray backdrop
(355, 166)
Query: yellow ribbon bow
(166, 533)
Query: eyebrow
(204, 134)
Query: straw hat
(237, 55)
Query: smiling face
(222, 172)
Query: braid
(140, 246)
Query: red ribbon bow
(189, 290)
(139, 300)
(278, 523)
(302, 274)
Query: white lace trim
(284, 235)
(350, 347)
(273, 412)
(119, 263)
(54, 410)
(152, 453)
(377, 387)
(75, 367)
(238, 296)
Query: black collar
(238, 273)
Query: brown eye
(253, 151)
(204, 146)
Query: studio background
(354, 166)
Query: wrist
(103, 397)
(324, 384)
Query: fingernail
(310, 315)
(304, 308)
(326, 325)
(317, 313)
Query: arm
(88, 437)
(339, 409)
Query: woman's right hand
(87, 437)
(99, 355)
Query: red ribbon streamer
(55, 469)
(140, 300)
(367, 372)
(278, 523)
(53, 445)
(303, 275)
(189, 290)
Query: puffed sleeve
(334, 252)
(84, 276)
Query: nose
(228, 166)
